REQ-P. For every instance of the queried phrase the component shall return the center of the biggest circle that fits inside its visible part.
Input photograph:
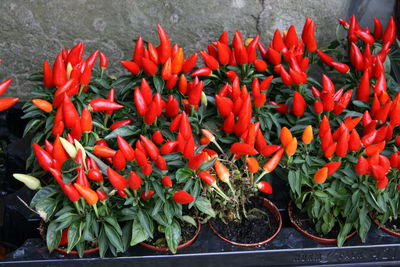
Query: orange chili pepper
(274, 161)
(44, 105)
(321, 175)
(307, 136)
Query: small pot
(274, 210)
(320, 240)
(381, 226)
(42, 231)
(181, 246)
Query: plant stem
(95, 210)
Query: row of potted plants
(179, 145)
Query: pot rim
(320, 240)
(181, 246)
(277, 215)
(383, 227)
(41, 228)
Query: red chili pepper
(139, 51)
(382, 114)
(223, 53)
(369, 138)
(48, 147)
(44, 159)
(147, 195)
(224, 105)
(47, 75)
(134, 180)
(354, 141)
(363, 91)
(356, 57)
(260, 65)
(366, 37)
(76, 131)
(104, 151)
(86, 120)
(166, 181)
(119, 161)
(101, 195)
(195, 93)
(161, 163)
(147, 169)
(86, 75)
(125, 148)
(189, 63)
(332, 167)
(175, 123)
(252, 49)
(101, 104)
(204, 71)
(117, 180)
(131, 66)
(119, 124)
(59, 153)
(207, 178)
(229, 123)
(95, 175)
(243, 149)
(150, 147)
(341, 67)
(286, 78)
(380, 85)
(6, 103)
(168, 147)
(140, 102)
(149, 67)
(325, 58)
(70, 114)
(299, 104)
(158, 137)
(185, 128)
(165, 45)
(111, 97)
(264, 187)
(210, 61)
(197, 160)
(308, 35)
(188, 151)
(390, 32)
(291, 38)
(183, 197)
(377, 29)
(362, 166)
(59, 71)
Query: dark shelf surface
(289, 248)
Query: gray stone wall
(35, 30)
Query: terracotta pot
(274, 210)
(387, 230)
(320, 240)
(42, 231)
(181, 246)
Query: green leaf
(43, 193)
(53, 236)
(168, 211)
(69, 165)
(139, 234)
(80, 247)
(182, 175)
(101, 82)
(127, 235)
(103, 243)
(158, 83)
(294, 181)
(114, 223)
(158, 189)
(146, 223)
(204, 205)
(344, 231)
(207, 164)
(46, 208)
(113, 237)
(74, 235)
(173, 236)
(123, 131)
(32, 125)
(190, 220)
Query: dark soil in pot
(305, 223)
(391, 226)
(189, 234)
(249, 231)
